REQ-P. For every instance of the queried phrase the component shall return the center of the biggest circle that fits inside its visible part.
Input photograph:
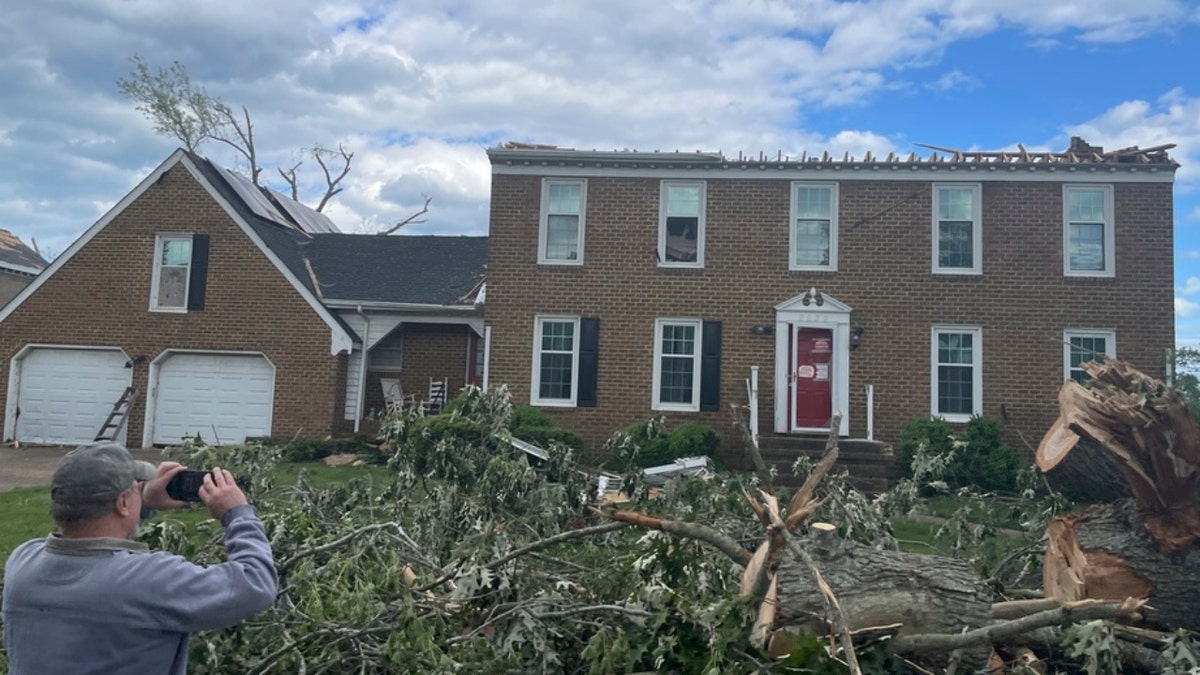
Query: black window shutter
(710, 367)
(198, 276)
(589, 353)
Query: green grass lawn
(27, 510)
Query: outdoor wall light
(764, 329)
(856, 338)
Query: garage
(64, 394)
(221, 396)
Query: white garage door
(223, 397)
(64, 395)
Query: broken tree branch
(1085, 610)
(721, 541)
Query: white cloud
(418, 89)
(1185, 308)
(1191, 286)
(955, 79)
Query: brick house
(234, 312)
(627, 284)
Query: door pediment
(813, 301)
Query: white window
(677, 364)
(1088, 239)
(814, 226)
(172, 269)
(1081, 346)
(957, 377)
(957, 228)
(560, 239)
(681, 224)
(555, 360)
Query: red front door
(812, 355)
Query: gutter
(359, 305)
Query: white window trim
(976, 229)
(1110, 344)
(833, 228)
(976, 365)
(1110, 251)
(536, 374)
(543, 220)
(159, 240)
(656, 403)
(662, 223)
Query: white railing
(870, 412)
(752, 396)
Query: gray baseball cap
(90, 477)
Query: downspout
(487, 355)
(362, 369)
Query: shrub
(657, 446)
(531, 424)
(977, 457)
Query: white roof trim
(84, 238)
(339, 340)
(24, 269)
(400, 306)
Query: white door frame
(812, 309)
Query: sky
(419, 89)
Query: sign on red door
(812, 357)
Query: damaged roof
(358, 268)
(15, 256)
(1080, 152)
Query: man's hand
(220, 493)
(154, 492)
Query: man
(88, 599)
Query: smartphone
(185, 486)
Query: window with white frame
(677, 364)
(555, 360)
(560, 240)
(1088, 239)
(1081, 346)
(814, 226)
(172, 268)
(957, 378)
(681, 224)
(957, 228)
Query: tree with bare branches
(184, 110)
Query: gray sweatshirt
(110, 606)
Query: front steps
(871, 464)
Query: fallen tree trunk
(1112, 555)
(926, 594)
(1084, 473)
(1147, 546)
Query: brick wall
(102, 294)
(1022, 301)
(431, 351)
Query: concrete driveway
(33, 465)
